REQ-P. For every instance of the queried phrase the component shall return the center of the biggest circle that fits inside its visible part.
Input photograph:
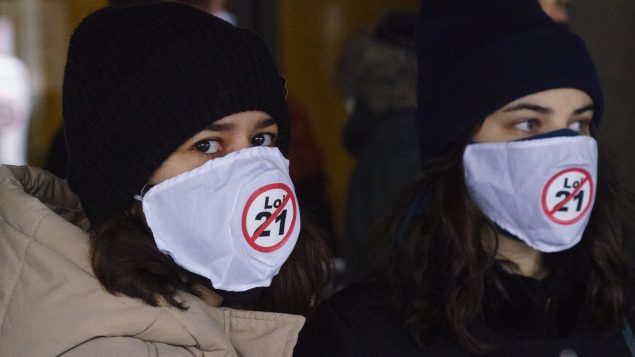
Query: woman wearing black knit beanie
(515, 242)
(178, 232)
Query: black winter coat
(541, 318)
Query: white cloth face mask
(540, 190)
(233, 220)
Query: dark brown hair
(127, 261)
(437, 267)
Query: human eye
(528, 126)
(581, 126)
(263, 139)
(208, 146)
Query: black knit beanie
(475, 56)
(139, 81)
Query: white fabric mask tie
(541, 190)
(233, 220)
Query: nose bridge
(238, 142)
(557, 121)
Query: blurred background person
(307, 169)
(217, 8)
(558, 10)
(15, 100)
(376, 74)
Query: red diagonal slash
(275, 214)
(568, 198)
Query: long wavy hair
(437, 266)
(126, 261)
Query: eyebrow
(220, 127)
(586, 108)
(264, 123)
(543, 110)
(528, 106)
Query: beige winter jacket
(51, 303)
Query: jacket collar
(527, 307)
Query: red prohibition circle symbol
(563, 193)
(279, 216)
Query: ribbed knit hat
(475, 56)
(140, 81)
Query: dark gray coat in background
(378, 73)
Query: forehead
(244, 120)
(554, 99)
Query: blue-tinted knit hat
(475, 56)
